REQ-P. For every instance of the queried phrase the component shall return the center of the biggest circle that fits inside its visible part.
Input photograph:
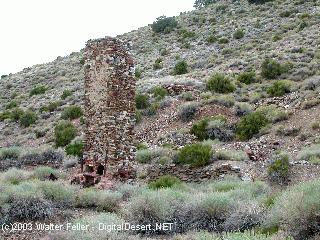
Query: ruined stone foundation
(109, 110)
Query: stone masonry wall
(109, 103)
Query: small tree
(64, 133)
(271, 69)
(164, 24)
(250, 125)
(142, 101)
(220, 83)
(28, 118)
(180, 68)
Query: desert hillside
(227, 128)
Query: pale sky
(37, 31)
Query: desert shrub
(38, 90)
(180, 68)
(159, 92)
(188, 111)
(309, 153)
(197, 155)
(151, 110)
(58, 193)
(9, 153)
(271, 69)
(310, 103)
(279, 88)
(227, 100)
(259, 1)
(187, 96)
(109, 201)
(72, 112)
(64, 133)
(52, 106)
(212, 39)
(142, 101)
(203, 3)
(246, 216)
(158, 64)
(218, 129)
(70, 162)
(166, 181)
(290, 131)
(296, 209)
(230, 155)
(11, 105)
(75, 149)
(43, 173)
(279, 169)
(250, 125)
(87, 198)
(66, 93)
(147, 155)
(14, 176)
(28, 118)
(273, 113)
(220, 83)
(247, 77)
(209, 211)
(164, 24)
(199, 129)
(29, 208)
(247, 235)
(16, 114)
(144, 156)
(243, 108)
(42, 156)
(238, 34)
(311, 83)
(5, 115)
(152, 207)
(223, 40)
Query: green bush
(64, 133)
(279, 88)
(16, 114)
(196, 155)
(220, 83)
(271, 69)
(199, 129)
(38, 90)
(158, 64)
(247, 77)
(166, 181)
(75, 149)
(43, 173)
(9, 153)
(223, 40)
(295, 211)
(28, 118)
(51, 107)
(159, 92)
(72, 112)
(279, 169)
(238, 34)
(180, 68)
(142, 101)
(250, 125)
(11, 105)
(66, 93)
(164, 24)
(5, 115)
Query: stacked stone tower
(109, 109)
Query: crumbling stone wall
(109, 105)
